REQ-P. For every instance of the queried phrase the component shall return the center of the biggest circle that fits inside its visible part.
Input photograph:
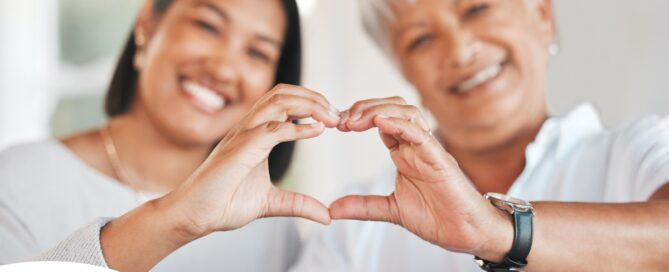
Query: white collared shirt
(573, 158)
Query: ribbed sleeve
(82, 246)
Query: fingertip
(334, 123)
(316, 211)
(360, 125)
(326, 221)
(343, 127)
(317, 125)
(338, 207)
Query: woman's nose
(223, 65)
(462, 49)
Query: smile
(483, 76)
(205, 98)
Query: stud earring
(140, 40)
(553, 48)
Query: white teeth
(480, 77)
(204, 95)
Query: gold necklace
(112, 155)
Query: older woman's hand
(432, 197)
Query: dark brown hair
(123, 87)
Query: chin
(193, 133)
(482, 128)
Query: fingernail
(382, 116)
(356, 117)
(334, 112)
(316, 125)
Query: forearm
(140, 239)
(600, 237)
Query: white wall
(28, 61)
(614, 54)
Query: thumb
(368, 208)
(291, 204)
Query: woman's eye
(258, 55)
(206, 26)
(420, 41)
(476, 10)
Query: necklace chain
(112, 155)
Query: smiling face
(478, 64)
(205, 63)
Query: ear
(545, 19)
(142, 31)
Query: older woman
(479, 67)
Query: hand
(432, 197)
(232, 187)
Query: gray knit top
(53, 205)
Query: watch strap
(516, 259)
(522, 238)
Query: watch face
(511, 201)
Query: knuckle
(273, 126)
(398, 99)
(278, 99)
(320, 96)
(357, 105)
(415, 111)
(298, 204)
(281, 86)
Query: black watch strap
(522, 237)
(522, 244)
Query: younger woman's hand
(233, 187)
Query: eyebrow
(226, 17)
(267, 39)
(423, 23)
(404, 28)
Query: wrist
(139, 239)
(175, 215)
(497, 234)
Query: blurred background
(56, 59)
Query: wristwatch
(523, 215)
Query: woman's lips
(481, 77)
(202, 97)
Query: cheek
(524, 43)
(256, 81)
(422, 72)
(170, 50)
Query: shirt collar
(565, 133)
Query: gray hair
(376, 15)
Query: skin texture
(235, 54)
(233, 47)
(486, 130)
(231, 188)
(438, 44)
